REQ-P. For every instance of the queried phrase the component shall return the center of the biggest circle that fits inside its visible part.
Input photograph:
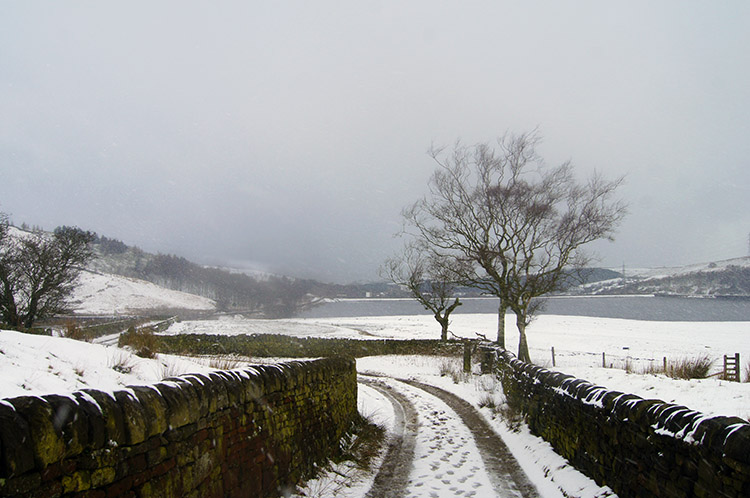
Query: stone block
(134, 416)
(97, 427)
(155, 408)
(78, 481)
(103, 476)
(234, 387)
(219, 390)
(112, 416)
(178, 411)
(46, 441)
(16, 452)
(71, 422)
(22, 485)
(200, 394)
(737, 442)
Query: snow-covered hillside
(107, 294)
(662, 272)
(728, 277)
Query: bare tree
(460, 221)
(551, 217)
(511, 226)
(37, 272)
(428, 280)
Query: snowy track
(393, 476)
(455, 453)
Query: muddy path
(457, 451)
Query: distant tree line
(271, 297)
(110, 246)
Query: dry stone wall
(252, 432)
(636, 446)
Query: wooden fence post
(467, 357)
(487, 364)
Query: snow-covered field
(39, 364)
(36, 364)
(578, 341)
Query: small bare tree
(511, 226)
(37, 272)
(428, 280)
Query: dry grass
(690, 368)
(171, 368)
(487, 400)
(121, 361)
(79, 370)
(451, 368)
(684, 368)
(71, 330)
(227, 362)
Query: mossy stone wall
(636, 446)
(252, 432)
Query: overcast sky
(288, 136)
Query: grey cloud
(291, 134)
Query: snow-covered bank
(38, 365)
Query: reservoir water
(655, 308)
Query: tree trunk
(501, 325)
(444, 330)
(523, 346)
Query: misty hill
(108, 294)
(264, 295)
(729, 278)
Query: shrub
(488, 400)
(142, 340)
(690, 368)
(512, 416)
(362, 442)
(71, 330)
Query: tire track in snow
(393, 475)
(504, 472)
(456, 454)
